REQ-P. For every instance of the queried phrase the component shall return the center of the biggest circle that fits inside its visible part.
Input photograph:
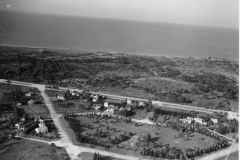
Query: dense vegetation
(200, 82)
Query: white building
(105, 104)
(214, 120)
(95, 98)
(198, 120)
(19, 104)
(60, 97)
(129, 102)
(28, 94)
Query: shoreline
(113, 52)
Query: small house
(105, 104)
(95, 98)
(198, 120)
(97, 106)
(29, 94)
(214, 120)
(141, 104)
(17, 126)
(31, 102)
(129, 102)
(19, 104)
(60, 97)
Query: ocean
(149, 38)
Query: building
(31, 102)
(129, 102)
(214, 120)
(112, 108)
(141, 104)
(105, 104)
(198, 120)
(97, 106)
(95, 98)
(42, 128)
(19, 104)
(187, 120)
(60, 97)
(29, 94)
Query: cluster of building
(31, 101)
(201, 121)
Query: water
(118, 35)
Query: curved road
(74, 150)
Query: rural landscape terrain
(95, 105)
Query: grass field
(166, 136)
(36, 109)
(29, 150)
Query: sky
(198, 12)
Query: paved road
(65, 141)
(74, 150)
(156, 103)
(220, 153)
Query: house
(97, 106)
(161, 124)
(75, 93)
(22, 119)
(17, 126)
(60, 97)
(187, 120)
(95, 98)
(42, 128)
(29, 94)
(129, 102)
(105, 104)
(198, 120)
(214, 120)
(141, 104)
(38, 119)
(19, 104)
(112, 108)
(31, 102)
(129, 108)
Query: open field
(29, 150)
(70, 106)
(35, 110)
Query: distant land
(149, 38)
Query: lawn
(70, 106)
(160, 135)
(35, 110)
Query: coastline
(112, 52)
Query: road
(156, 103)
(220, 153)
(65, 141)
(74, 150)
